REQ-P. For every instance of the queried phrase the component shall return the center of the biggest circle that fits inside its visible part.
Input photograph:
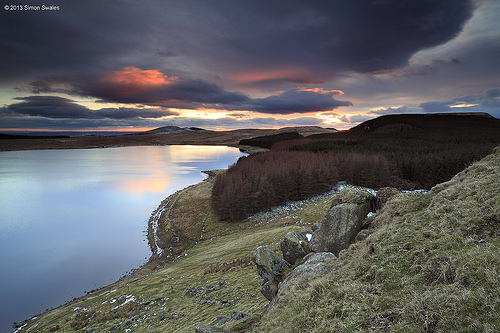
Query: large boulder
(354, 195)
(295, 246)
(269, 289)
(315, 265)
(343, 220)
(269, 266)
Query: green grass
(431, 264)
(226, 257)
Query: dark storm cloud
(295, 101)
(132, 85)
(227, 122)
(54, 107)
(223, 37)
(486, 102)
(184, 93)
(176, 93)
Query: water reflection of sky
(73, 220)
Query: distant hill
(20, 136)
(401, 122)
(171, 129)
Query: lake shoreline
(198, 138)
(155, 261)
(148, 263)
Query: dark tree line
(267, 141)
(265, 180)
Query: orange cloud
(133, 76)
(324, 91)
(287, 74)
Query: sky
(126, 65)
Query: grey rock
(193, 291)
(362, 235)
(341, 225)
(383, 195)
(315, 264)
(269, 265)
(221, 320)
(210, 329)
(212, 287)
(354, 195)
(237, 315)
(294, 246)
(343, 220)
(121, 299)
(146, 302)
(269, 289)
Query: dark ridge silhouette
(19, 136)
(267, 141)
(435, 121)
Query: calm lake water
(73, 220)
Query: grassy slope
(226, 257)
(431, 265)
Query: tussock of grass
(431, 264)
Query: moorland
(429, 264)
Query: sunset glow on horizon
(248, 65)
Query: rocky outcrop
(315, 264)
(343, 220)
(271, 268)
(383, 195)
(295, 246)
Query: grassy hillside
(431, 264)
(181, 295)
